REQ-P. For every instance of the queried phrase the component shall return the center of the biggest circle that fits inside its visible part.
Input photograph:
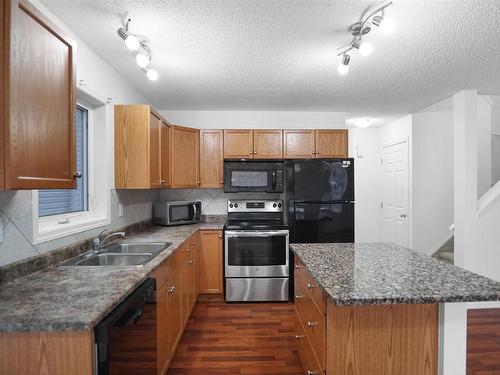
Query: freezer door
(320, 223)
(323, 180)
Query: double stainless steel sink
(121, 254)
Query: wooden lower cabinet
(210, 267)
(360, 340)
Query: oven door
(256, 253)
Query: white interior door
(395, 194)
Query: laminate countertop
(77, 298)
(379, 273)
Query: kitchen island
(375, 308)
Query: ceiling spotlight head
(364, 48)
(363, 122)
(377, 20)
(132, 42)
(359, 29)
(388, 25)
(152, 74)
(343, 68)
(142, 59)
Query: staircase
(446, 251)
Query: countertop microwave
(253, 176)
(176, 213)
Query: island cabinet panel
(306, 354)
(298, 144)
(54, 353)
(332, 143)
(38, 106)
(184, 157)
(238, 144)
(267, 144)
(210, 267)
(211, 158)
(386, 339)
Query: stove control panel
(255, 205)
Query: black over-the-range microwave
(255, 176)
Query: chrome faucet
(98, 242)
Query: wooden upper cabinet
(165, 154)
(238, 144)
(155, 151)
(299, 144)
(267, 144)
(38, 101)
(139, 147)
(332, 143)
(211, 158)
(184, 157)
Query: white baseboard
(483, 305)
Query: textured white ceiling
(282, 54)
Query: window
(64, 212)
(64, 201)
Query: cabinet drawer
(309, 362)
(298, 268)
(170, 265)
(315, 291)
(313, 321)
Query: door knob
(403, 215)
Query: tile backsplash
(213, 201)
(16, 215)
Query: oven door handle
(271, 233)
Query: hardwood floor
(246, 339)
(483, 342)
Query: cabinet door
(210, 255)
(161, 328)
(184, 157)
(174, 312)
(211, 158)
(298, 144)
(332, 143)
(164, 152)
(154, 150)
(238, 144)
(40, 112)
(185, 291)
(267, 144)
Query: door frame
(395, 142)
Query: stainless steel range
(256, 255)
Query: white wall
(484, 162)
(256, 119)
(432, 176)
(16, 207)
(495, 143)
(364, 147)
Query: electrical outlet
(120, 209)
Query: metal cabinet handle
(171, 289)
(311, 372)
(298, 296)
(191, 262)
(220, 235)
(187, 250)
(221, 182)
(299, 337)
(309, 286)
(312, 323)
(194, 243)
(77, 175)
(297, 267)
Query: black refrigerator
(320, 200)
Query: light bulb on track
(343, 68)
(132, 43)
(142, 60)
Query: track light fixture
(359, 29)
(138, 44)
(344, 66)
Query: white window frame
(52, 227)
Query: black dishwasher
(125, 341)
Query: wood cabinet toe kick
(360, 340)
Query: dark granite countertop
(378, 273)
(77, 298)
